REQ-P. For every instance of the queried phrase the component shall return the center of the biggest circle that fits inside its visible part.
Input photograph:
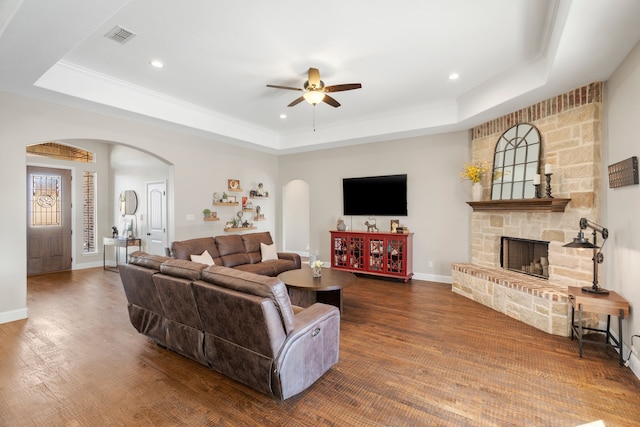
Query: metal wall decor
(624, 173)
(515, 163)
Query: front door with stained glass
(48, 220)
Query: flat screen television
(375, 195)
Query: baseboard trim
(13, 315)
(432, 278)
(85, 265)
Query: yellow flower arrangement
(474, 171)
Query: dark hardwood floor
(410, 355)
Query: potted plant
(474, 173)
(206, 213)
(316, 268)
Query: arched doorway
(113, 168)
(295, 217)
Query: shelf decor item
(316, 268)
(474, 173)
(476, 192)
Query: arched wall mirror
(515, 163)
(128, 202)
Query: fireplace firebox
(525, 256)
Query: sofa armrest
(308, 317)
(310, 349)
(291, 257)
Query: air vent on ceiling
(120, 34)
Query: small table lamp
(582, 242)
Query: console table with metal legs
(118, 242)
(610, 304)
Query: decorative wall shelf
(258, 197)
(240, 228)
(226, 204)
(210, 218)
(522, 205)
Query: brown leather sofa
(238, 323)
(239, 251)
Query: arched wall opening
(295, 217)
(117, 167)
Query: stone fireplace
(570, 126)
(525, 256)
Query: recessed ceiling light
(156, 63)
(454, 76)
(283, 116)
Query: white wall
(13, 223)
(200, 167)
(621, 213)
(438, 214)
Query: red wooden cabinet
(381, 254)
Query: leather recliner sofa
(238, 323)
(239, 251)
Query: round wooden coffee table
(304, 289)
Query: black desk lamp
(582, 242)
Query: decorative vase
(341, 226)
(316, 271)
(477, 191)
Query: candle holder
(548, 190)
(537, 191)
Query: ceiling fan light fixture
(313, 97)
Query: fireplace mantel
(527, 205)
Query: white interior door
(157, 217)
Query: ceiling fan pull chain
(314, 118)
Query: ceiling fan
(315, 91)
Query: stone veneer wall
(526, 298)
(570, 126)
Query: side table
(610, 304)
(118, 242)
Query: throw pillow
(203, 258)
(268, 252)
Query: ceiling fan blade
(296, 101)
(340, 88)
(284, 87)
(314, 78)
(329, 100)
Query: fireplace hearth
(525, 256)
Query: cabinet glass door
(395, 255)
(340, 251)
(376, 254)
(356, 253)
